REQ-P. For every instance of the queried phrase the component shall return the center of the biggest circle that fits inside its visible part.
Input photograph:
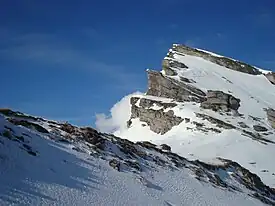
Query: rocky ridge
(125, 156)
(181, 89)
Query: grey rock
(271, 117)
(271, 77)
(161, 86)
(219, 123)
(158, 120)
(218, 100)
(243, 125)
(259, 128)
(167, 68)
(147, 103)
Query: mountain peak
(206, 105)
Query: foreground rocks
(139, 158)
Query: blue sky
(68, 60)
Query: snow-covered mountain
(201, 135)
(206, 106)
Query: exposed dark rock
(242, 125)
(219, 123)
(92, 136)
(259, 128)
(28, 124)
(115, 164)
(271, 116)
(187, 120)
(254, 118)
(133, 164)
(161, 86)
(222, 61)
(32, 153)
(147, 144)
(7, 134)
(147, 103)
(169, 66)
(184, 79)
(256, 136)
(165, 147)
(129, 123)
(68, 128)
(218, 100)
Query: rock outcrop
(271, 77)
(218, 100)
(162, 86)
(271, 117)
(170, 66)
(159, 120)
(220, 60)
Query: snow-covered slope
(200, 136)
(51, 163)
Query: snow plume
(119, 115)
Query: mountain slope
(51, 163)
(206, 106)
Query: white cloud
(119, 115)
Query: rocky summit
(202, 134)
(204, 106)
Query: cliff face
(170, 84)
(205, 105)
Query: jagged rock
(147, 144)
(133, 164)
(165, 147)
(92, 136)
(259, 128)
(218, 100)
(187, 120)
(28, 124)
(169, 66)
(147, 103)
(219, 123)
(68, 128)
(184, 79)
(222, 61)
(161, 86)
(271, 116)
(158, 120)
(271, 77)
